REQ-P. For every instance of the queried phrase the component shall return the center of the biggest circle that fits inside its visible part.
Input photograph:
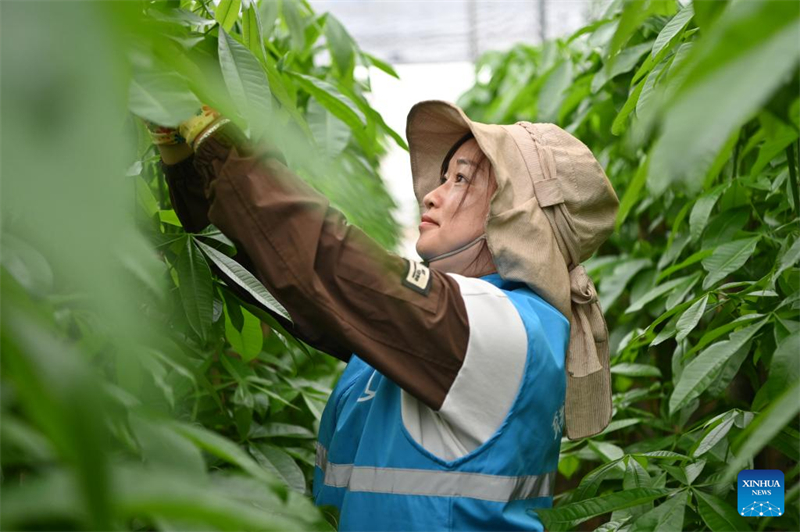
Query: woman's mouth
(427, 221)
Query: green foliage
(694, 113)
(138, 390)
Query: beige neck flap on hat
(587, 412)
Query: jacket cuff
(212, 153)
(186, 194)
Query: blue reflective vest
(380, 478)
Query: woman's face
(442, 228)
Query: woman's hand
(176, 144)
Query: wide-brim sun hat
(553, 208)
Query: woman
(463, 369)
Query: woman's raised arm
(344, 292)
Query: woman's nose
(431, 199)
(428, 200)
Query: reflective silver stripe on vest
(435, 483)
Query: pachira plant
(694, 111)
(140, 389)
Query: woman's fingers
(162, 135)
(186, 132)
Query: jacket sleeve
(340, 287)
(188, 199)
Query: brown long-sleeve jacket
(343, 291)
(434, 334)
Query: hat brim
(432, 127)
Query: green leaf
(27, 265)
(660, 290)
(774, 145)
(728, 371)
(745, 57)
(665, 517)
(633, 193)
(646, 103)
(716, 430)
(727, 258)
(693, 470)
(280, 464)
(144, 197)
(618, 126)
(162, 98)
(330, 98)
(330, 133)
(290, 12)
(692, 259)
(606, 450)
(784, 369)
(225, 449)
(668, 331)
(788, 259)
(315, 403)
(380, 65)
(762, 429)
(279, 430)
(163, 497)
(233, 311)
(248, 340)
(341, 46)
(552, 93)
(376, 117)
(168, 216)
(707, 13)
(268, 16)
(718, 515)
(672, 28)
(681, 290)
(702, 210)
(239, 275)
(635, 370)
(163, 448)
(59, 390)
(246, 82)
(251, 32)
(621, 424)
(227, 13)
(590, 483)
(196, 288)
(567, 516)
(715, 333)
(624, 62)
(182, 16)
(664, 455)
(724, 227)
(635, 475)
(700, 372)
(568, 465)
(634, 12)
(215, 234)
(678, 473)
(689, 319)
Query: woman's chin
(424, 250)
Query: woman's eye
(443, 180)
